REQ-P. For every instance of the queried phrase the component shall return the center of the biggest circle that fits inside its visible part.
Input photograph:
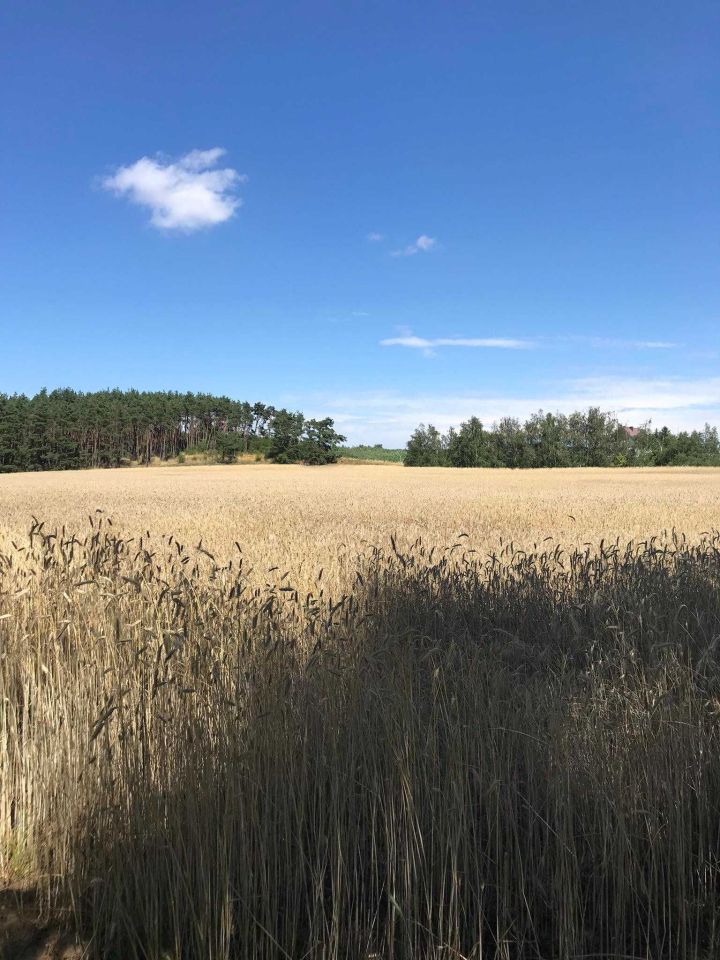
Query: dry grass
(439, 749)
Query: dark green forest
(69, 430)
(582, 439)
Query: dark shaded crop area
(515, 756)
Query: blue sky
(387, 212)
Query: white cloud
(186, 194)
(389, 417)
(374, 237)
(423, 244)
(627, 344)
(656, 396)
(421, 343)
(428, 344)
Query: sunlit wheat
(274, 712)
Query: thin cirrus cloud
(428, 344)
(422, 343)
(389, 416)
(187, 194)
(625, 344)
(375, 237)
(423, 244)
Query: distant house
(632, 432)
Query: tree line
(593, 438)
(68, 430)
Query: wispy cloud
(375, 237)
(652, 396)
(423, 244)
(422, 343)
(389, 417)
(186, 194)
(428, 344)
(615, 342)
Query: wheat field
(301, 518)
(360, 712)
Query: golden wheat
(411, 714)
(301, 518)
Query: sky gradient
(388, 213)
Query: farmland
(372, 454)
(359, 711)
(301, 519)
